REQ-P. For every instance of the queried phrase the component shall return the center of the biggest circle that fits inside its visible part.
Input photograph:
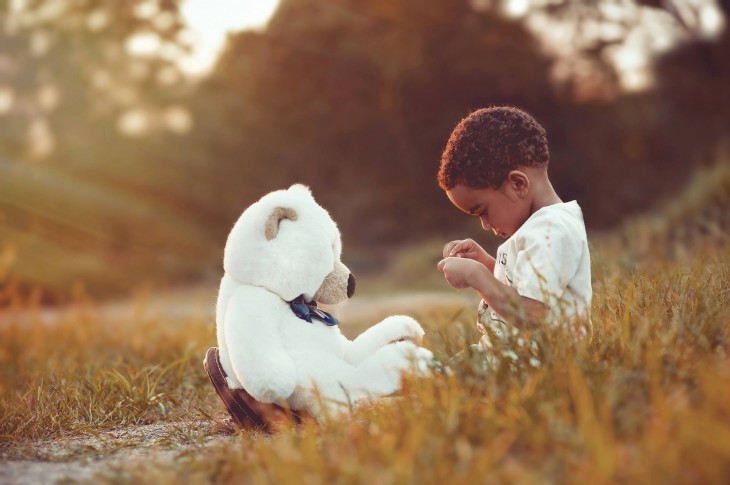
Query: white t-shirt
(548, 260)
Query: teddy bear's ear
(271, 229)
(302, 189)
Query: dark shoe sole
(238, 402)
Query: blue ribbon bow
(307, 311)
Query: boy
(494, 167)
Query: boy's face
(501, 210)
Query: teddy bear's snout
(337, 286)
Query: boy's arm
(522, 311)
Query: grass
(644, 400)
(80, 374)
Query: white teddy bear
(282, 257)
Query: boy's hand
(464, 248)
(460, 272)
(468, 248)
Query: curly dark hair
(489, 143)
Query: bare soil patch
(85, 457)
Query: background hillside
(117, 169)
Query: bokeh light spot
(134, 122)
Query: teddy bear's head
(288, 244)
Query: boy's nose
(485, 225)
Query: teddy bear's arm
(390, 330)
(257, 356)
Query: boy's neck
(543, 192)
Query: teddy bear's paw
(424, 361)
(403, 328)
(406, 356)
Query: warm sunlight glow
(211, 20)
(516, 8)
(7, 98)
(147, 44)
(712, 20)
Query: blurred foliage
(696, 219)
(83, 198)
(116, 167)
(356, 99)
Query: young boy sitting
(494, 167)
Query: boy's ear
(519, 182)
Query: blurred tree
(693, 84)
(604, 46)
(357, 98)
(644, 90)
(81, 196)
(72, 65)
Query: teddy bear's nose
(350, 285)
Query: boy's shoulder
(553, 224)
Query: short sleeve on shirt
(548, 255)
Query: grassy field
(645, 400)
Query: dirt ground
(88, 457)
(198, 303)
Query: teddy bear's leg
(380, 374)
(322, 383)
(392, 329)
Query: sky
(211, 20)
(644, 32)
